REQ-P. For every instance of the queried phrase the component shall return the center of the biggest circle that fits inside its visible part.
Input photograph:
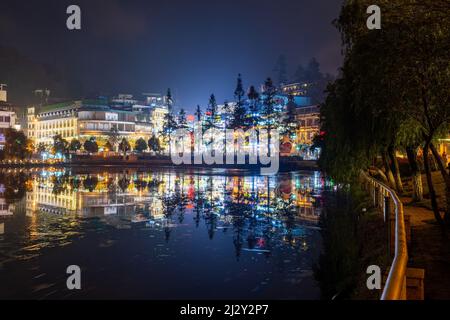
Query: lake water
(160, 234)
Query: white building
(5, 208)
(78, 120)
(7, 116)
(154, 99)
(3, 93)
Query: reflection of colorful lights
(218, 192)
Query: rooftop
(58, 106)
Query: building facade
(51, 121)
(8, 118)
(308, 120)
(77, 120)
(93, 118)
(295, 89)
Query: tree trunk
(417, 195)
(434, 204)
(397, 176)
(375, 170)
(446, 176)
(388, 171)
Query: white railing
(386, 199)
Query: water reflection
(272, 217)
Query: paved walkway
(429, 250)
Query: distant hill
(23, 76)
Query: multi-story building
(78, 119)
(308, 119)
(99, 120)
(158, 116)
(150, 118)
(155, 99)
(124, 101)
(7, 121)
(295, 89)
(3, 93)
(8, 118)
(58, 119)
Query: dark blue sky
(196, 47)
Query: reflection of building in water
(42, 198)
(145, 194)
(5, 208)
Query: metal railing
(395, 287)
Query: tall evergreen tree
(300, 75)
(198, 113)
(313, 73)
(170, 124)
(253, 96)
(289, 121)
(239, 111)
(212, 118)
(182, 122)
(212, 113)
(281, 69)
(269, 112)
(315, 81)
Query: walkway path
(429, 250)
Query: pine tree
(239, 112)
(269, 111)
(281, 69)
(212, 118)
(253, 96)
(169, 120)
(289, 121)
(182, 122)
(300, 74)
(198, 113)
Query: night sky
(195, 47)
